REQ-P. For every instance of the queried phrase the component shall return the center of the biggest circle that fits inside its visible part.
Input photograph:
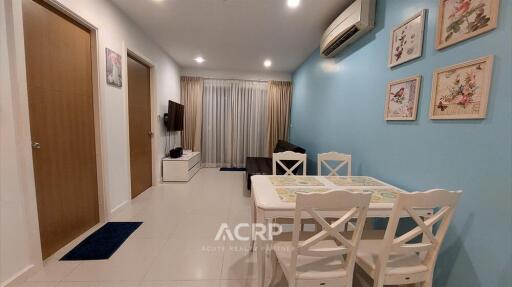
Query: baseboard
(119, 206)
(18, 278)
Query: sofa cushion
(283, 146)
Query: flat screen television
(174, 119)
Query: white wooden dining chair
(327, 258)
(341, 160)
(289, 156)
(397, 260)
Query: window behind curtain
(234, 121)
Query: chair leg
(251, 249)
(360, 278)
(428, 282)
(378, 281)
(253, 221)
(277, 272)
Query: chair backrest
(341, 159)
(289, 156)
(353, 205)
(442, 202)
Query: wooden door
(60, 96)
(139, 108)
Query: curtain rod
(261, 81)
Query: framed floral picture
(459, 20)
(402, 99)
(461, 91)
(406, 40)
(114, 72)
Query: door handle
(36, 145)
(150, 134)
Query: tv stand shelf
(182, 168)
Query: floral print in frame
(402, 99)
(459, 20)
(462, 91)
(406, 40)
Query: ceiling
(235, 35)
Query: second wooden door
(139, 108)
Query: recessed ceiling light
(293, 3)
(267, 63)
(199, 59)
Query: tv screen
(175, 116)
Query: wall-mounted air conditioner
(357, 20)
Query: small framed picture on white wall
(406, 40)
(114, 70)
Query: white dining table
(274, 197)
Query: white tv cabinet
(182, 168)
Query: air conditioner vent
(342, 39)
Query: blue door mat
(103, 242)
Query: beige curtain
(234, 122)
(279, 104)
(192, 98)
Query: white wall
(15, 227)
(217, 74)
(18, 229)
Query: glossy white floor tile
(54, 272)
(130, 263)
(183, 259)
(175, 246)
(197, 283)
(237, 283)
(40, 284)
(239, 262)
(99, 284)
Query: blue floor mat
(103, 242)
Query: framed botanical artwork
(406, 40)
(458, 20)
(461, 91)
(114, 72)
(402, 99)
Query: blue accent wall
(338, 105)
